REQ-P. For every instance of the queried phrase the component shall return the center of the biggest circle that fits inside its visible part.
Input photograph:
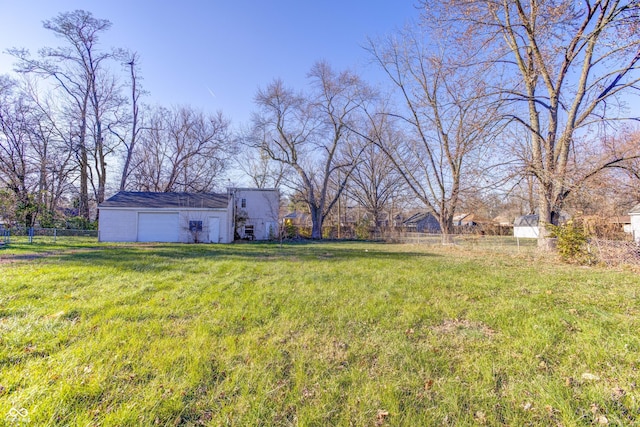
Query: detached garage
(166, 217)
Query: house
(186, 217)
(297, 219)
(634, 213)
(422, 222)
(526, 226)
(256, 213)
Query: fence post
(30, 234)
(55, 234)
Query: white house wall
(262, 208)
(121, 225)
(204, 215)
(526, 232)
(635, 226)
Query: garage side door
(157, 227)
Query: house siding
(635, 226)
(261, 210)
(526, 232)
(121, 225)
(118, 225)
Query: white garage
(166, 217)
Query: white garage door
(158, 227)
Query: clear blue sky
(215, 54)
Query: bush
(572, 242)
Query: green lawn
(313, 334)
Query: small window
(195, 226)
(248, 232)
(243, 203)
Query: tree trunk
(316, 222)
(446, 228)
(544, 217)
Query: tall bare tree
(262, 170)
(127, 127)
(445, 110)
(35, 162)
(309, 133)
(18, 173)
(182, 150)
(375, 181)
(570, 65)
(79, 70)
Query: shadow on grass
(159, 257)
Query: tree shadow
(162, 257)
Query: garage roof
(135, 199)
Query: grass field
(313, 334)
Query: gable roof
(635, 209)
(135, 199)
(418, 217)
(526, 221)
(533, 219)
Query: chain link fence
(42, 235)
(615, 252)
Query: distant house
(423, 222)
(297, 219)
(634, 215)
(622, 222)
(503, 220)
(187, 217)
(526, 226)
(463, 220)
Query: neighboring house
(423, 222)
(187, 217)
(297, 219)
(634, 214)
(526, 226)
(503, 220)
(256, 213)
(622, 223)
(464, 219)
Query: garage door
(158, 227)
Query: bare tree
(447, 115)
(375, 181)
(35, 161)
(262, 170)
(80, 71)
(182, 150)
(309, 134)
(129, 134)
(570, 63)
(17, 170)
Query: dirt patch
(464, 327)
(11, 258)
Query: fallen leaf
(480, 417)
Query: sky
(216, 54)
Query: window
(248, 232)
(195, 226)
(243, 203)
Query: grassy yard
(313, 334)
